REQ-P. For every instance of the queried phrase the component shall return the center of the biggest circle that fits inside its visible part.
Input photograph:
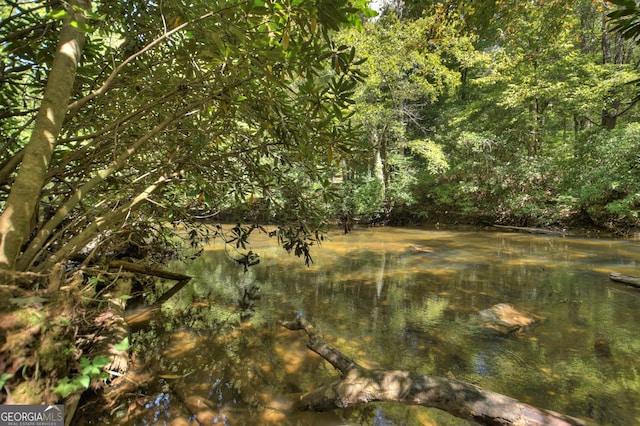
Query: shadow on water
(398, 298)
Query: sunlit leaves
(123, 345)
(89, 369)
(58, 14)
(408, 66)
(608, 188)
(433, 153)
(4, 378)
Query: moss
(19, 341)
(52, 352)
(28, 392)
(30, 317)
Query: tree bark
(359, 385)
(23, 200)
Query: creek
(396, 298)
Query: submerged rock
(505, 319)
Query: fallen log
(626, 279)
(531, 230)
(359, 385)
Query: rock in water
(506, 319)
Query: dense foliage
(513, 112)
(177, 112)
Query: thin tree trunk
(378, 165)
(23, 200)
(45, 232)
(78, 242)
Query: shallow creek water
(387, 305)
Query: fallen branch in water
(360, 385)
(146, 270)
(531, 230)
(626, 279)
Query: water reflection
(388, 305)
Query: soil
(37, 343)
(44, 334)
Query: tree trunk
(359, 385)
(23, 200)
(379, 160)
(609, 116)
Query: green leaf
(65, 387)
(57, 14)
(236, 31)
(84, 381)
(90, 370)
(101, 361)
(122, 346)
(218, 41)
(93, 367)
(82, 26)
(4, 378)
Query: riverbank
(575, 223)
(61, 334)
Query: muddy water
(398, 299)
